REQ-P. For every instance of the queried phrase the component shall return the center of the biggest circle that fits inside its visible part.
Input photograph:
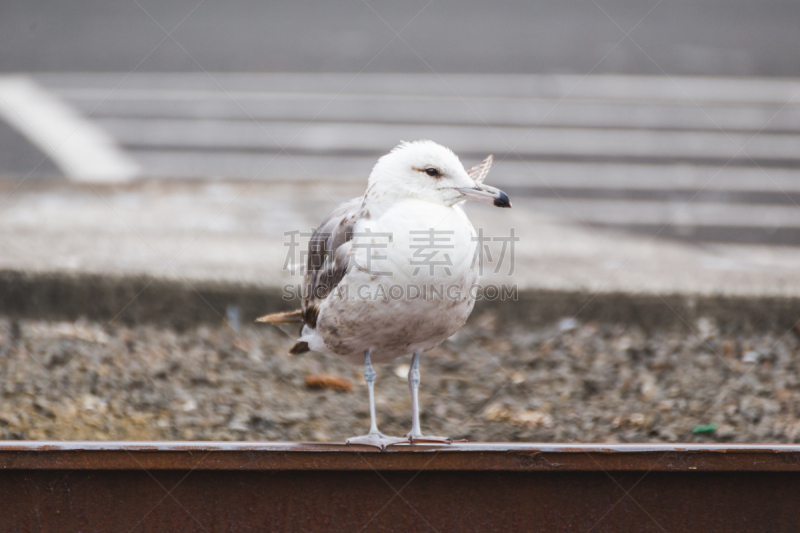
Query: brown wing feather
(328, 256)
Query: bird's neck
(380, 198)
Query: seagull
(392, 272)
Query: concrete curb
(132, 300)
(140, 299)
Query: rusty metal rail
(201, 486)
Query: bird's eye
(432, 172)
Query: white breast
(406, 289)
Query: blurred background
(651, 149)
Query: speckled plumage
(369, 314)
(392, 273)
(347, 305)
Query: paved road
(607, 151)
(707, 37)
(227, 230)
(693, 158)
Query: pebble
(751, 357)
(568, 382)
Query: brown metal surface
(201, 486)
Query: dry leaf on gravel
(328, 382)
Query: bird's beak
(486, 194)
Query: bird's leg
(413, 384)
(374, 437)
(369, 377)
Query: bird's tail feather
(300, 347)
(287, 317)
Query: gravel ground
(569, 382)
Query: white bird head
(425, 170)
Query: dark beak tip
(502, 200)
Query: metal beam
(202, 486)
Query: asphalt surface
(702, 159)
(708, 37)
(237, 232)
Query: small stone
(320, 436)
(649, 387)
(533, 419)
(727, 348)
(241, 344)
(666, 405)
(637, 419)
(567, 324)
(93, 403)
(668, 435)
(37, 434)
(496, 412)
(793, 430)
(8, 419)
(238, 423)
(751, 357)
(401, 371)
(80, 331)
(726, 431)
(707, 327)
(139, 419)
(294, 416)
(44, 409)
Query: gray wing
(328, 256)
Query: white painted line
(677, 213)
(193, 164)
(435, 110)
(700, 89)
(77, 146)
(377, 138)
